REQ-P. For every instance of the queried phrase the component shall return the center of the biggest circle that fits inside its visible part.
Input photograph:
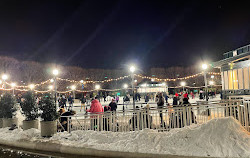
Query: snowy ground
(223, 137)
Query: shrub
(48, 108)
(7, 106)
(29, 107)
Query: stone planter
(30, 124)
(7, 122)
(1, 122)
(48, 128)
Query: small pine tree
(7, 106)
(29, 107)
(48, 107)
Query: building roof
(234, 56)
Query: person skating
(147, 98)
(160, 104)
(113, 105)
(71, 101)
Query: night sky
(112, 34)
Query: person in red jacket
(176, 95)
(185, 95)
(95, 109)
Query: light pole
(50, 87)
(31, 86)
(132, 70)
(125, 86)
(82, 82)
(4, 77)
(204, 67)
(211, 83)
(183, 85)
(13, 85)
(73, 88)
(55, 73)
(97, 87)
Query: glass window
(245, 49)
(226, 80)
(235, 79)
(239, 51)
(222, 81)
(240, 79)
(230, 79)
(246, 78)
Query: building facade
(235, 72)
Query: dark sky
(111, 34)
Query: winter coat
(175, 101)
(113, 106)
(160, 102)
(166, 98)
(107, 108)
(95, 107)
(176, 94)
(146, 98)
(185, 95)
(71, 100)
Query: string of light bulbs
(110, 80)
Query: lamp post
(132, 70)
(73, 88)
(211, 83)
(55, 73)
(13, 85)
(82, 82)
(204, 67)
(97, 87)
(125, 86)
(183, 85)
(31, 86)
(50, 87)
(4, 77)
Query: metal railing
(161, 119)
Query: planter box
(48, 128)
(7, 122)
(30, 124)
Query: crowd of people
(161, 99)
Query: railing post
(227, 113)
(246, 115)
(184, 116)
(68, 125)
(138, 120)
(190, 115)
(149, 121)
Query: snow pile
(19, 134)
(223, 137)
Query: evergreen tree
(48, 107)
(7, 106)
(29, 106)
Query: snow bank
(19, 134)
(223, 137)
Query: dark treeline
(26, 72)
